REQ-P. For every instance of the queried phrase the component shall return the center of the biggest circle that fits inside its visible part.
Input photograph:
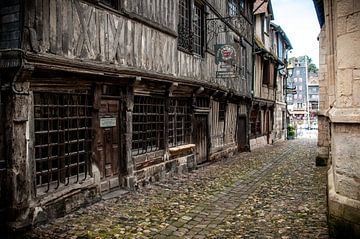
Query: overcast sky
(299, 21)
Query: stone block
(344, 78)
(356, 95)
(344, 212)
(104, 186)
(114, 182)
(356, 74)
(356, 6)
(352, 22)
(344, 7)
(344, 101)
(347, 53)
(341, 25)
(346, 161)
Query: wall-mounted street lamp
(290, 70)
(290, 89)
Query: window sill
(181, 148)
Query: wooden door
(108, 143)
(241, 134)
(200, 138)
(267, 127)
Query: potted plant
(291, 132)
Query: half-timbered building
(282, 46)
(102, 94)
(266, 66)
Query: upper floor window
(266, 25)
(191, 29)
(242, 5)
(198, 28)
(233, 6)
(266, 72)
(184, 40)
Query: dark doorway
(241, 134)
(201, 138)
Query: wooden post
(20, 171)
(129, 107)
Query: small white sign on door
(107, 122)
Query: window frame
(198, 23)
(63, 138)
(189, 23)
(148, 124)
(233, 8)
(180, 114)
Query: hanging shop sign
(225, 53)
(225, 59)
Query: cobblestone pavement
(272, 192)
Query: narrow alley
(271, 192)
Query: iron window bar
(179, 121)
(62, 138)
(148, 124)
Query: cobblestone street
(272, 192)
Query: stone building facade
(339, 115)
(102, 94)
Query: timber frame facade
(265, 65)
(102, 94)
(268, 110)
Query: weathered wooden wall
(10, 24)
(77, 30)
(230, 123)
(161, 12)
(217, 126)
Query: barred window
(202, 102)
(198, 25)
(62, 138)
(148, 124)
(179, 121)
(184, 38)
(191, 31)
(233, 7)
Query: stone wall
(339, 117)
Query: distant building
(297, 102)
(313, 98)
